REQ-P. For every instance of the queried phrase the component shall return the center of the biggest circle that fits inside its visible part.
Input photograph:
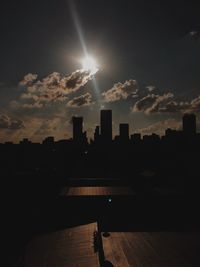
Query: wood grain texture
(156, 249)
(74, 247)
(98, 190)
(68, 248)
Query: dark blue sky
(153, 42)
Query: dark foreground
(76, 247)
(148, 227)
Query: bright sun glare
(89, 63)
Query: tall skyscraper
(77, 128)
(189, 124)
(124, 131)
(106, 125)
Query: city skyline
(103, 132)
(64, 59)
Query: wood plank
(68, 248)
(164, 249)
(98, 190)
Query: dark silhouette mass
(189, 124)
(123, 155)
(162, 173)
(106, 125)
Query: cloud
(192, 106)
(146, 102)
(52, 88)
(174, 107)
(80, 101)
(195, 105)
(155, 103)
(121, 91)
(160, 101)
(9, 123)
(28, 79)
(35, 105)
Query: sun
(89, 64)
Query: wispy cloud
(151, 103)
(165, 103)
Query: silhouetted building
(170, 132)
(155, 137)
(64, 142)
(8, 143)
(25, 141)
(173, 135)
(151, 138)
(79, 136)
(106, 125)
(136, 137)
(189, 124)
(48, 140)
(77, 128)
(117, 138)
(124, 131)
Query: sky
(147, 55)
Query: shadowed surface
(152, 249)
(74, 247)
(71, 247)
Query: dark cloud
(121, 91)
(76, 80)
(146, 102)
(160, 101)
(80, 101)
(192, 106)
(9, 123)
(155, 103)
(174, 106)
(52, 88)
